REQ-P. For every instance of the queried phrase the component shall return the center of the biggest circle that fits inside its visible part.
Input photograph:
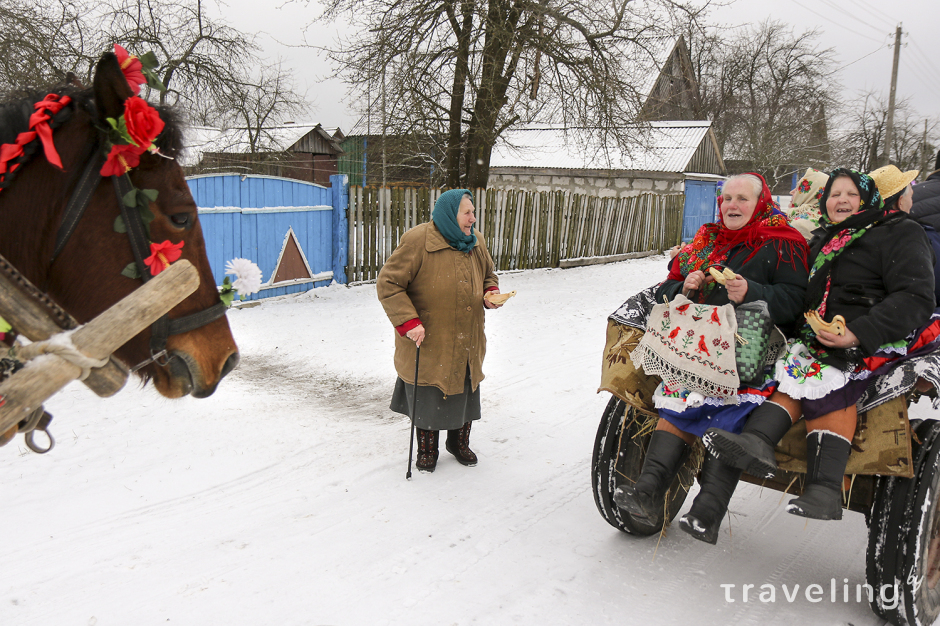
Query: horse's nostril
(229, 365)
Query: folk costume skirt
(435, 411)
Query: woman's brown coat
(427, 279)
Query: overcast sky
(860, 31)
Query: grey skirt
(435, 411)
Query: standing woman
(431, 288)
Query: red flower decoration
(132, 68)
(162, 254)
(142, 120)
(122, 158)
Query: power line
(829, 4)
(878, 49)
(926, 59)
(854, 32)
(879, 12)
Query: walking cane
(414, 402)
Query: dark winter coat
(882, 284)
(779, 281)
(926, 211)
(926, 207)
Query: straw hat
(891, 180)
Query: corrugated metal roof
(665, 147)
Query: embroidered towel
(691, 345)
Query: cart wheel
(611, 467)
(904, 538)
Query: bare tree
(199, 55)
(767, 91)
(467, 71)
(257, 103)
(40, 42)
(863, 133)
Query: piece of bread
(721, 277)
(836, 326)
(498, 298)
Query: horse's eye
(181, 220)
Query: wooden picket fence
(523, 229)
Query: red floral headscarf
(714, 241)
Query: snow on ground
(282, 499)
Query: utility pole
(889, 131)
(924, 157)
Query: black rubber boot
(645, 499)
(717, 483)
(458, 444)
(427, 450)
(826, 457)
(752, 450)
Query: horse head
(86, 277)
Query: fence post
(340, 190)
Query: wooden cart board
(882, 443)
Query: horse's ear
(111, 88)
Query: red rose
(132, 68)
(162, 254)
(122, 158)
(142, 120)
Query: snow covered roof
(649, 57)
(666, 147)
(201, 139)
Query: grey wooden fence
(523, 229)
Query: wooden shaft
(45, 375)
(33, 321)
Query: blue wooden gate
(283, 225)
(701, 205)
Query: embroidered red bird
(683, 308)
(674, 332)
(714, 317)
(701, 345)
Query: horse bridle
(137, 234)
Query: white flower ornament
(247, 279)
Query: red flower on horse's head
(132, 68)
(122, 158)
(162, 254)
(142, 120)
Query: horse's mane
(18, 107)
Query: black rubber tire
(611, 466)
(904, 537)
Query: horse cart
(892, 477)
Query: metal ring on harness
(37, 420)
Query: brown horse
(85, 277)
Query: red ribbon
(38, 127)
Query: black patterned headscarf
(840, 236)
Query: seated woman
(769, 258)
(804, 202)
(873, 267)
(895, 187)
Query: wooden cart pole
(33, 321)
(25, 390)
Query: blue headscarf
(445, 218)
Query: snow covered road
(282, 499)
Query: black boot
(826, 457)
(717, 483)
(752, 450)
(427, 450)
(645, 499)
(458, 444)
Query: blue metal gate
(701, 206)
